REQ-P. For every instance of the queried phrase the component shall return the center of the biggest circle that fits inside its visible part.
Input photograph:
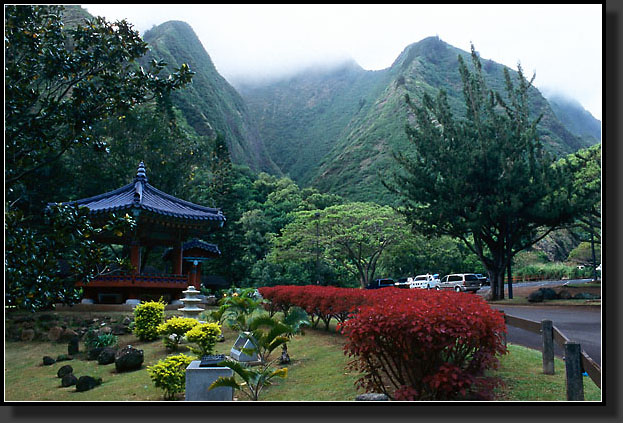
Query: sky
(561, 43)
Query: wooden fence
(577, 361)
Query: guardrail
(577, 361)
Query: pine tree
(485, 179)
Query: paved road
(537, 284)
(579, 324)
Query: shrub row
(322, 303)
(408, 344)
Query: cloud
(562, 43)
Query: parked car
(404, 283)
(381, 283)
(426, 281)
(460, 282)
(484, 280)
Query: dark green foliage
(484, 179)
(42, 264)
(60, 83)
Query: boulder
(94, 353)
(73, 346)
(68, 334)
(86, 383)
(372, 397)
(48, 361)
(69, 380)
(126, 321)
(27, 335)
(105, 330)
(54, 334)
(128, 359)
(64, 371)
(107, 356)
(119, 329)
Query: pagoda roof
(140, 195)
(192, 244)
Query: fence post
(547, 331)
(573, 365)
(504, 333)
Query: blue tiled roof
(194, 243)
(141, 195)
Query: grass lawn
(316, 373)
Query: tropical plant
(93, 339)
(170, 374)
(254, 379)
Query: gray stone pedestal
(199, 379)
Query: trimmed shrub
(170, 374)
(425, 345)
(205, 336)
(174, 329)
(147, 317)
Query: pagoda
(161, 220)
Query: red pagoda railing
(139, 281)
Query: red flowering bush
(424, 345)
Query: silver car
(461, 282)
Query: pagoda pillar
(135, 258)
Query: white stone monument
(190, 301)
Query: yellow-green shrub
(204, 335)
(170, 374)
(147, 317)
(174, 329)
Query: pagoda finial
(141, 175)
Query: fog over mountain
(250, 42)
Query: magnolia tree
(355, 235)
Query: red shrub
(426, 345)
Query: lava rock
(119, 329)
(107, 356)
(73, 346)
(94, 353)
(27, 335)
(68, 335)
(128, 359)
(64, 371)
(372, 397)
(69, 380)
(86, 383)
(54, 334)
(48, 361)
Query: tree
(585, 168)
(485, 179)
(59, 84)
(61, 81)
(353, 234)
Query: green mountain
(336, 129)
(577, 119)
(209, 104)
